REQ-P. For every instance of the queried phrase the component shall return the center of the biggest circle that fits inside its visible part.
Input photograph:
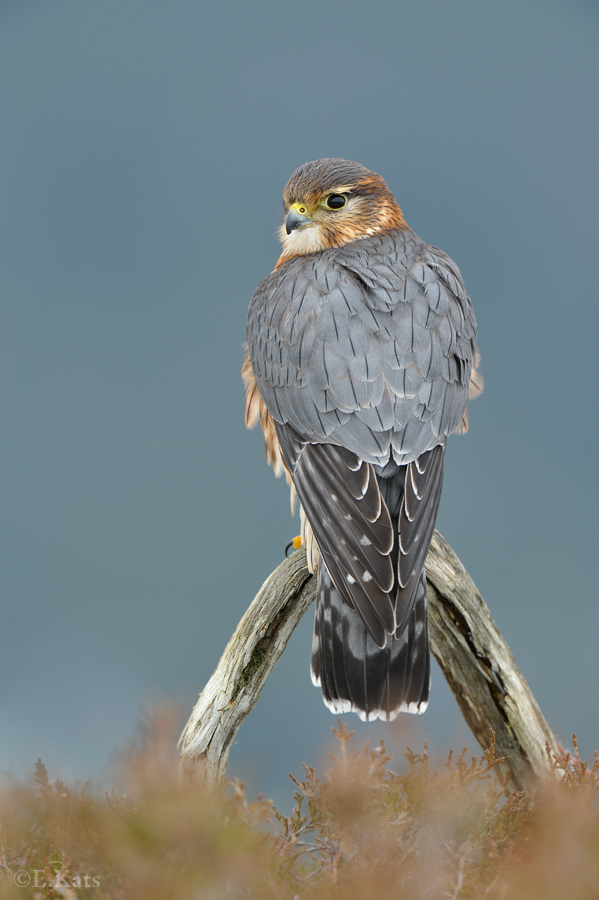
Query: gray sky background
(143, 151)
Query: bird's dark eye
(336, 201)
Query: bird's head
(331, 202)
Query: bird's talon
(296, 543)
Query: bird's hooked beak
(297, 217)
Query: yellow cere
(302, 210)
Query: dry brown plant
(363, 828)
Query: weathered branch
(474, 657)
(481, 671)
(248, 659)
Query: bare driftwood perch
(248, 659)
(474, 657)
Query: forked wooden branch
(481, 671)
(248, 659)
(465, 640)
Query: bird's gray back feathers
(369, 346)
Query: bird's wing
(417, 516)
(367, 348)
(341, 498)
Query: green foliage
(359, 831)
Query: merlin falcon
(361, 357)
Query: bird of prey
(361, 356)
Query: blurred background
(143, 152)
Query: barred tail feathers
(354, 674)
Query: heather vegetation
(369, 827)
